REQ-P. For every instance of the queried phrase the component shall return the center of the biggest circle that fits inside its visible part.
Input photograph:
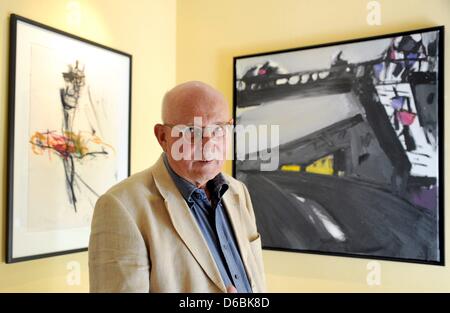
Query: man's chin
(206, 168)
(207, 163)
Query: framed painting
(356, 158)
(69, 136)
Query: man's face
(197, 138)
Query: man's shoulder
(139, 185)
(135, 199)
(233, 183)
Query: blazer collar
(185, 223)
(188, 229)
(216, 186)
(233, 207)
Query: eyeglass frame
(192, 138)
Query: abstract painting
(69, 130)
(359, 150)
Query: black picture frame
(270, 82)
(14, 60)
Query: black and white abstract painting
(69, 136)
(360, 150)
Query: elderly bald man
(180, 225)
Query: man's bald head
(189, 106)
(193, 98)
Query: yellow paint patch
(322, 166)
(291, 168)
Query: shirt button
(224, 247)
(236, 276)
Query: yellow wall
(174, 41)
(145, 29)
(210, 33)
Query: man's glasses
(192, 133)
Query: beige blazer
(144, 238)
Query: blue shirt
(215, 226)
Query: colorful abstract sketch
(72, 140)
(69, 136)
(68, 146)
(359, 153)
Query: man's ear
(160, 135)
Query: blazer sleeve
(256, 242)
(118, 258)
(248, 204)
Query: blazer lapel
(185, 223)
(232, 206)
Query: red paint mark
(406, 118)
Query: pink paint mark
(406, 118)
(262, 72)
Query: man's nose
(207, 137)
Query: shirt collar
(217, 186)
